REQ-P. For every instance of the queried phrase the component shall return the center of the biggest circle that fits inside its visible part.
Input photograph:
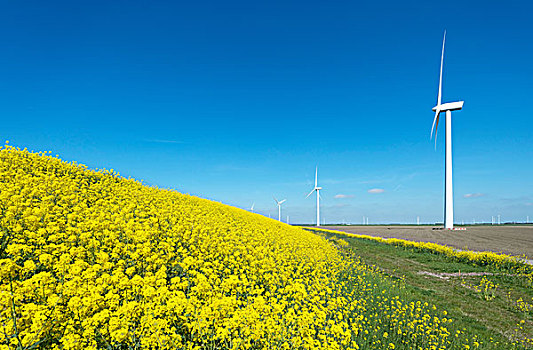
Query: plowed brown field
(514, 240)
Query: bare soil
(512, 240)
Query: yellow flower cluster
(486, 288)
(523, 306)
(92, 260)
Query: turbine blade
(439, 97)
(436, 127)
(275, 199)
(434, 120)
(316, 176)
(310, 193)
(280, 202)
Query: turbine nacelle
(450, 106)
(281, 202)
(313, 190)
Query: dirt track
(514, 240)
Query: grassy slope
(496, 318)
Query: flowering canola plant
(89, 259)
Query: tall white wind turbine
(279, 203)
(317, 189)
(448, 108)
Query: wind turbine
(279, 207)
(448, 108)
(317, 189)
(252, 207)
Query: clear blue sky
(237, 101)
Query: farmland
(513, 240)
(89, 259)
(482, 299)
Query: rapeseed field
(89, 259)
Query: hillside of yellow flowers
(89, 259)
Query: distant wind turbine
(317, 189)
(252, 207)
(448, 108)
(279, 203)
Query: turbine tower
(279, 203)
(448, 108)
(317, 189)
